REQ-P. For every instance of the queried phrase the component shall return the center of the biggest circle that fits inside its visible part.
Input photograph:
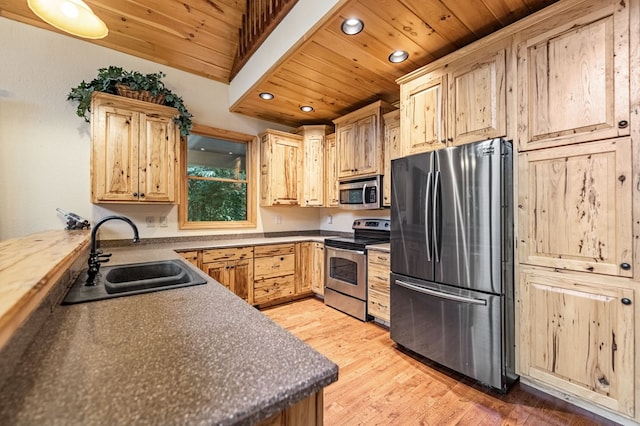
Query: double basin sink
(134, 278)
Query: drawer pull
(625, 301)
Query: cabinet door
(304, 269)
(423, 114)
(313, 170)
(241, 279)
(477, 100)
(578, 336)
(317, 270)
(573, 80)
(283, 166)
(346, 139)
(157, 158)
(575, 207)
(392, 150)
(331, 172)
(115, 154)
(219, 271)
(366, 148)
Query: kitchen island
(193, 355)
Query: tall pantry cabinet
(575, 206)
(567, 97)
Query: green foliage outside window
(216, 194)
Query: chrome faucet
(96, 257)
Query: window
(218, 189)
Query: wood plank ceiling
(332, 72)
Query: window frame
(252, 142)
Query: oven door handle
(345, 250)
(442, 295)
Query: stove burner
(366, 232)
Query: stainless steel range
(346, 266)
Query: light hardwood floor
(380, 384)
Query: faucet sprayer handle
(103, 258)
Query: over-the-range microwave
(363, 193)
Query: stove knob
(357, 223)
(386, 225)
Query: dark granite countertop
(194, 355)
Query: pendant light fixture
(72, 16)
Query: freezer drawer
(457, 328)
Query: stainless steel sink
(134, 278)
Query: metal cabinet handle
(625, 301)
(625, 266)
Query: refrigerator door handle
(426, 216)
(442, 295)
(436, 238)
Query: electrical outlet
(330, 219)
(163, 222)
(150, 220)
(278, 219)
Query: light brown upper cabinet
(459, 103)
(573, 79)
(312, 172)
(575, 207)
(423, 111)
(135, 151)
(392, 150)
(280, 168)
(360, 142)
(332, 193)
(477, 99)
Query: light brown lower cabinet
(310, 268)
(274, 272)
(192, 256)
(265, 274)
(308, 412)
(233, 268)
(378, 283)
(577, 335)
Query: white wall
(44, 145)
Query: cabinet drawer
(379, 257)
(274, 250)
(266, 290)
(274, 266)
(233, 253)
(379, 282)
(190, 256)
(378, 305)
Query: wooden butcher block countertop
(29, 267)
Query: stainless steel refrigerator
(452, 259)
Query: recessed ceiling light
(230, 153)
(266, 96)
(202, 149)
(306, 108)
(398, 56)
(352, 26)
